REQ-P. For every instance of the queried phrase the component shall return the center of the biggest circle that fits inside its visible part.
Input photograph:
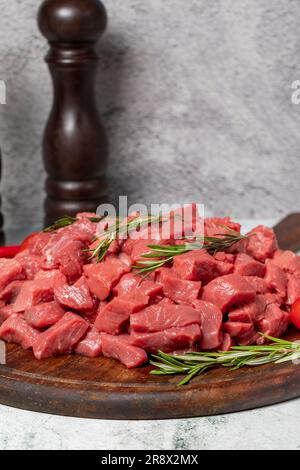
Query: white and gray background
(195, 96)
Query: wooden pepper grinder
(75, 148)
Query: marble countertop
(273, 427)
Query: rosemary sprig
(160, 255)
(195, 363)
(68, 220)
(117, 231)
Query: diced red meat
(75, 297)
(38, 243)
(227, 342)
(130, 282)
(288, 261)
(10, 270)
(237, 328)
(276, 279)
(197, 265)
(30, 263)
(273, 299)
(167, 340)
(102, 277)
(248, 337)
(211, 321)
(228, 291)
(162, 316)
(61, 337)
(224, 268)
(125, 259)
(179, 290)
(260, 285)
(127, 283)
(250, 312)
(90, 345)
(215, 226)
(120, 348)
(261, 243)
(224, 257)
(10, 293)
(41, 289)
(44, 315)
(247, 266)
(16, 330)
(275, 321)
(5, 312)
(140, 248)
(293, 289)
(114, 317)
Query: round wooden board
(103, 388)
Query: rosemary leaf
(192, 364)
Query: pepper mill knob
(75, 147)
(71, 21)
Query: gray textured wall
(195, 95)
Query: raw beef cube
(227, 342)
(103, 276)
(61, 337)
(70, 259)
(75, 297)
(120, 348)
(162, 316)
(249, 337)
(197, 265)
(225, 268)
(260, 285)
(293, 289)
(10, 270)
(276, 279)
(273, 299)
(275, 321)
(114, 317)
(130, 282)
(211, 321)
(10, 293)
(30, 263)
(288, 261)
(167, 340)
(237, 328)
(37, 243)
(41, 289)
(125, 259)
(215, 226)
(227, 291)
(5, 312)
(179, 290)
(247, 266)
(140, 248)
(90, 345)
(224, 257)
(250, 312)
(44, 315)
(16, 330)
(53, 277)
(261, 243)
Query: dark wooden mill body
(75, 148)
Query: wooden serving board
(103, 388)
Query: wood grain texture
(75, 146)
(103, 388)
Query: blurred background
(195, 96)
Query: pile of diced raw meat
(56, 301)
